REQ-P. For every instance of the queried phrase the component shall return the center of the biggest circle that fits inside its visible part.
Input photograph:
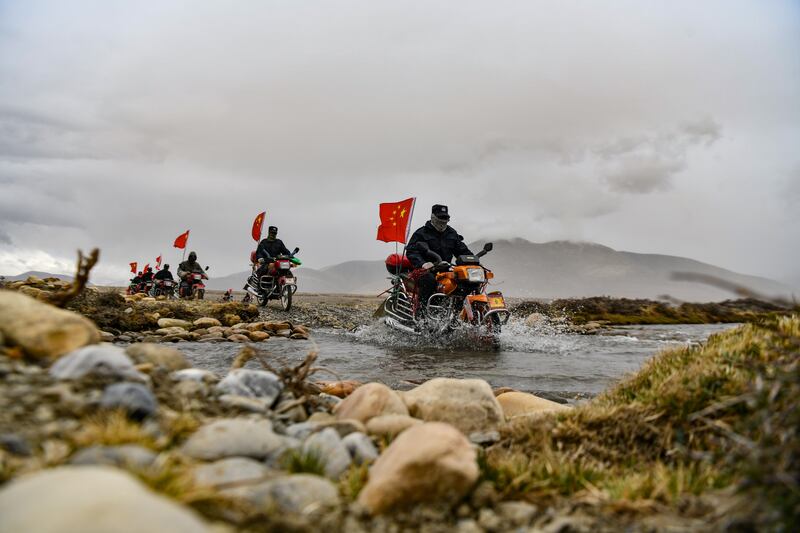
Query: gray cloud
(5, 238)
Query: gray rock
(302, 430)
(134, 398)
(251, 383)
(360, 447)
(252, 405)
(90, 499)
(295, 494)
(15, 444)
(231, 437)
(99, 359)
(330, 448)
(231, 471)
(121, 456)
(276, 459)
(194, 374)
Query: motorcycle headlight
(476, 275)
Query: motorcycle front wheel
(199, 294)
(286, 297)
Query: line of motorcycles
(190, 288)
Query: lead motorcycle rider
(268, 249)
(441, 239)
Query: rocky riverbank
(702, 438)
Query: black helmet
(166, 266)
(192, 256)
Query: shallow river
(541, 360)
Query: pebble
(329, 446)
(121, 456)
(101, 359)
(361, 448)
(231, 437)
(90, 499)
(134, 398)
(251, 383)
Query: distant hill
(38, 274)
(559, 269)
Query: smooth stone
(302, 494)
(361, 448)
(121, 456)
(284, 333)
(102, 360)
(467, 404)
(432, 462)
(390, 425)
(340, 389)
(328, 445)
(173, 323)
(134, 398)
(15, 444)
(251, 383)
(258, 336)
(345, 427)
(233, 470)
(368, 401)
(302, 430)
(43, 331)
(236, 337)
(216, 329)
(194, 374)
(328, 400)
(206, 322)
(174, 330)
(90, 499)
(231, 437)
(169, 358)
(252, 405)
(521, 403)
(105, 336)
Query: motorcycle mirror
(488, 247)
(206, 267)
(295, 251)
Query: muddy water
(543, 360)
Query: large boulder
(467, 404)
(432, 462)
(90, 499)
(368, 401)
(230, 437)
(252, 384)
(158, 355)
(42, 330)
(522, 403)
(101, 359)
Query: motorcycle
(460, 302)
(192, 286)
(163, 287)
(279, 283)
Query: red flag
(258, 223)
(180, 241)
(146, 267)
(395, 218)
(133, 266)
(158, 263)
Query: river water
(543, 360)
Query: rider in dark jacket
(148, 275)
(164, 273)
(268, 249)
(441, 239)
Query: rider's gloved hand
(427, 266)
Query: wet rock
(299, 336)
(234, 470)
(194, 374)
(258, 336)
(522, 403)
(127, 455)
(518, 514)
(368, 401)
(173, 323)
(133, 398)
(206, 322)
(340, 389)
(237, 337)
(169, 358)
(102, 360)
(328, 445)
(231, 437)
(467, 404)
(361, 448)
(16, 444)
(251, 383)
(295, 494)
(42, 330)
(432, 462)
(390, 425)
(90, 499)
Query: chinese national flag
(394, 220)
(158, 263)
(133, 266)
(146, 267)
(258, 223)
(180, 242)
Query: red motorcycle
(192, 286)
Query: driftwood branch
(85, 266)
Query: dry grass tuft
(112, 428)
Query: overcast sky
(667, 127)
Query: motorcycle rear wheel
(286, 297)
